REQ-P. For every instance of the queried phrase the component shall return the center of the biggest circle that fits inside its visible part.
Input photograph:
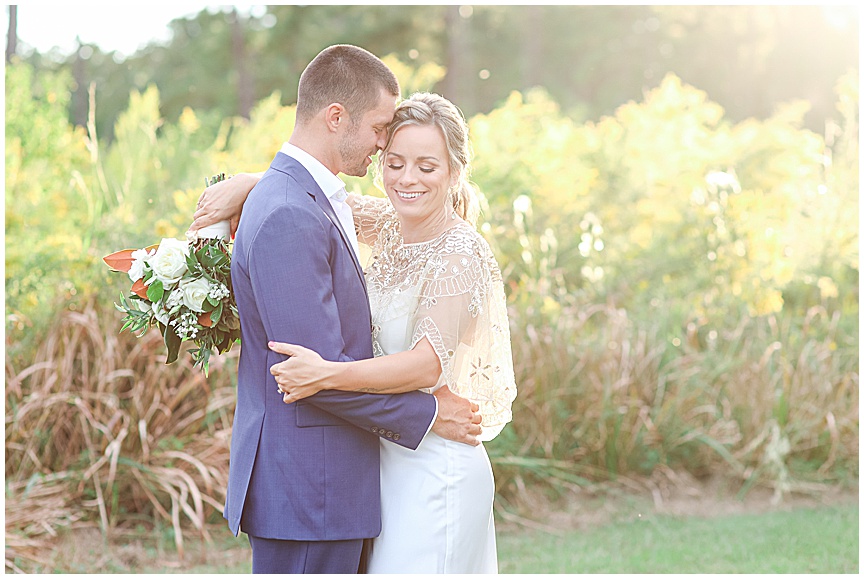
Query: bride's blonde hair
(429, 109)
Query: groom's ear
(335, 116)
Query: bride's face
(417, 172)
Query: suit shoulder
(278, 192)
(278, 211)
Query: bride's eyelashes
(399, 167)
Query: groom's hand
(458, 419)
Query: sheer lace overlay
(451, 292)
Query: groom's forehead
(383, 114)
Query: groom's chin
(361, 168)
(356, 172)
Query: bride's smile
(407, 195)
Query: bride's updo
(428, 109)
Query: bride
(430, 276)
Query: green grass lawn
(823, 540)
(817, 540)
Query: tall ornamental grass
(604, 397)
(99, 431)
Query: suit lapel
(325, 206)
(287, 164)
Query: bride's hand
(223, 201)
(303, 374)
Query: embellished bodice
(448, 290)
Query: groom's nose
(382, 140)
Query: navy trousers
(296, 557)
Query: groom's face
(364, 137)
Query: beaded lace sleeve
(461, 309)
(372, 216)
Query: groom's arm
(291, 276)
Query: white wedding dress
(436, 501)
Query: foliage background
(680, 250)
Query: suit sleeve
(291, 277)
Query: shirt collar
(330, 184)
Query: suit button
(397, 436)
(375, 429)
(389, 434)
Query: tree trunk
(79, 95)
(245, 91)
(458, 85)
(532, 47)
(12, 34)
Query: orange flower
(122, 260)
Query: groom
(303, 478)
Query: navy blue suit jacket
(309, 470)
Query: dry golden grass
(101, 434)
(100, 431)
(603, 398)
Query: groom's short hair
(344, 74)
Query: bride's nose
(407, 177)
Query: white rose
(160, 313)
(169, 263)
(136, 272)
(194, 294)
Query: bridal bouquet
(184, 288)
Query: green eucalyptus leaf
(192, 261)
(211, 257)
(217, 314)
(155, 291)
